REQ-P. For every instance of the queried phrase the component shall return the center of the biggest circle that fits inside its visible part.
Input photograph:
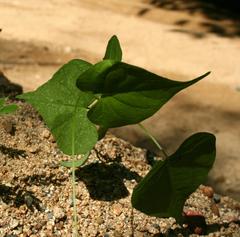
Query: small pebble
(14, 223)
(50, 215)
(192, 213)
(117, 234)
(33, 149)
(8, 126)
(117, 209)
(215, 209)
(138, 234)
(208, 191)
(99, 220)
(216, 198)
(59, 213)
(156, 226)
(45, 133)
(198, 230)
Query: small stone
(99, 220)
(208, 191)
(198, 230)
(14, 223)
(45, 133)
(49, 233)
(49, 227)
(50, 215)
(8, 126)
(156, 226)
(38, 226)
(138, 234)
(59, 213)
(33, 149)
(192, 213)
(216, 198)
(117, 209)
(117, 234)
(215, 209)
(59, 225)
(29, 232)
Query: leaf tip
(113, 51)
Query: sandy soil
(35, 191)
(38, 37)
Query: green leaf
(2, 101)
(7, 109)
(164, 190)
(113, 51)
(129, 94)
(64, 109)
(75, 163)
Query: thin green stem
(153, 140)
(74, 227)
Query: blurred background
(177, 39)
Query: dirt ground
(37, 37)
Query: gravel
(35, 191)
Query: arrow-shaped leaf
(129, 94)
(163, 191)
(64, 109)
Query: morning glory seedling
(82, 101)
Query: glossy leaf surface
(163, 191)
(113, 51)
(129, 94)
(64, 109)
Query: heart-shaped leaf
(129, 94)
(113, 51)
(163, 191)
(64, 109)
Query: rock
(99, 220)
(8, 126)
(59, 213)
(117, 209)
(117, 234)
(13, 224)
(138, 234)
(208, 191)
(216, 198)
(45, 133)
(33, 149)
(198, 230)
(215, 209)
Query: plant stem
(153, 140)
(93, 103)
(74, 227)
